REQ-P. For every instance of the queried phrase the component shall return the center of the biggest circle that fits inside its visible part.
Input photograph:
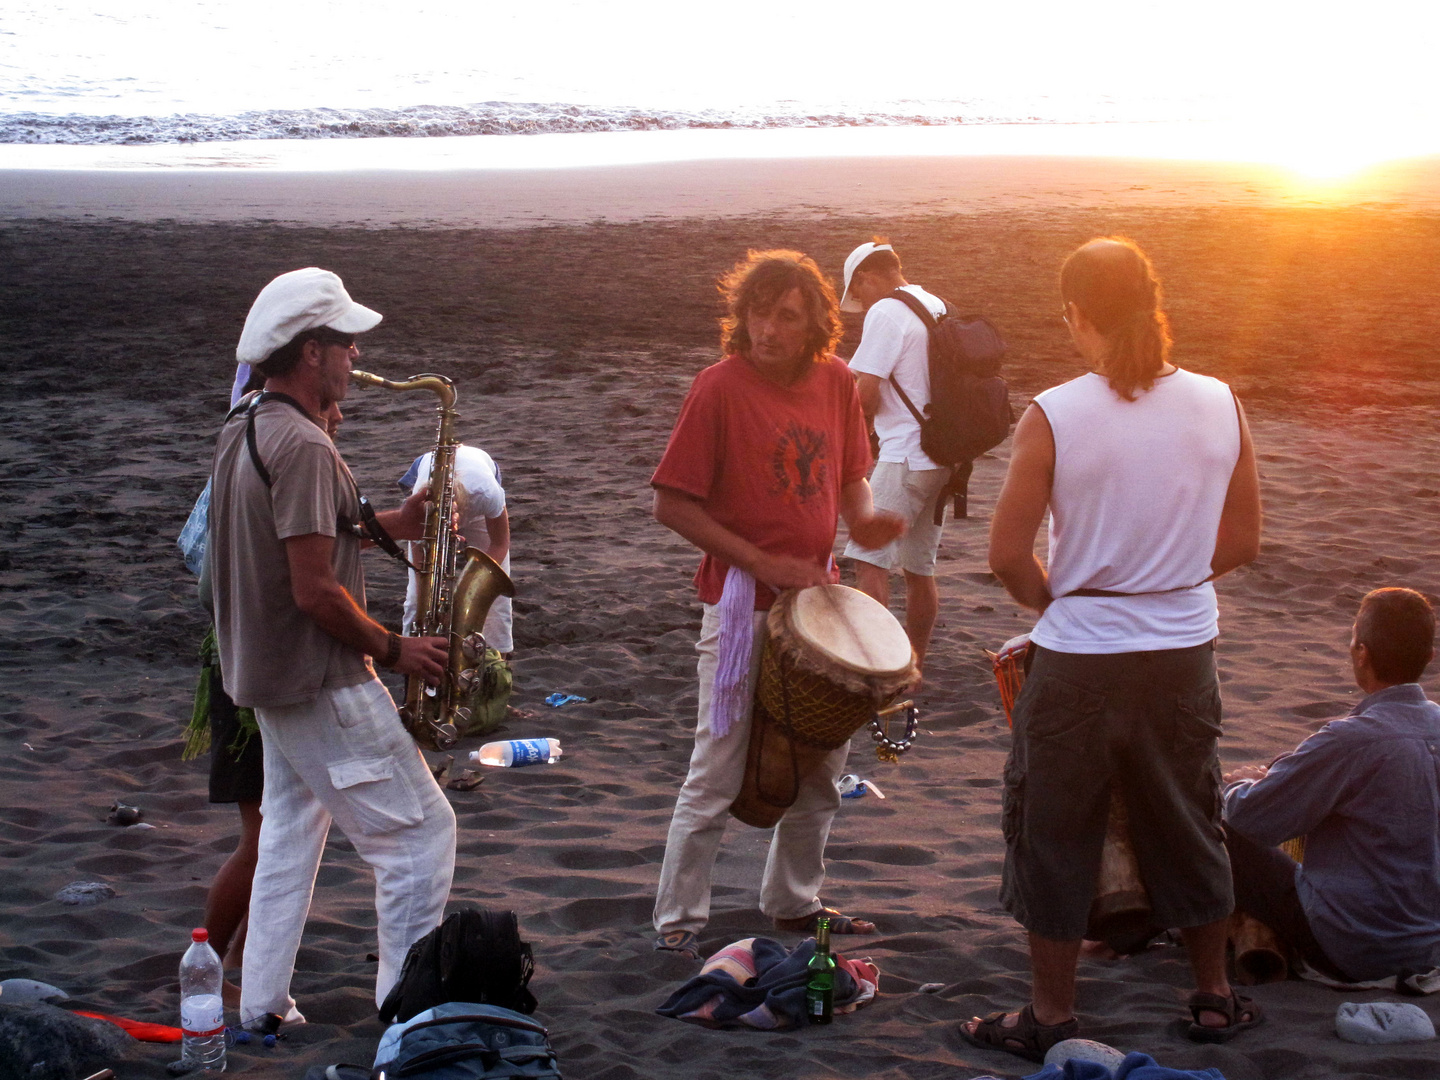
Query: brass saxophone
(451, 600)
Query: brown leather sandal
(1239, 1012)
(1028, 1039)
(839, 924)
(684, 942)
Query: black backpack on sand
(475, 955)
(969, 408)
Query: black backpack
(969, 408)
(475, 955)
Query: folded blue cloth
(1383, 1022)
(559, 698)
(1136, 1066)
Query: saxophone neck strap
(367, 528)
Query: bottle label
(202, 1015)
(817, 1005)
(529, 751)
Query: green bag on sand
(491, 696)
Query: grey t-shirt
(272, 653)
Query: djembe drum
(1120, 912)
(833, 659)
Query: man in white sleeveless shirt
(1149, 477)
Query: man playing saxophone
(296, 645)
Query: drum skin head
(851, 629)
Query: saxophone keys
(465, 681)
(473, 646)
(446, 735)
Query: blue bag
(464, 1041)
(192, 537)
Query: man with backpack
(893, 356)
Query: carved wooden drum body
(833, 658)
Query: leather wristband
(392, 650)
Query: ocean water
(160, 71)
(233, 83)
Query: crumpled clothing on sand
(756, 983)
(1413, 983)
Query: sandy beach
(573, 308)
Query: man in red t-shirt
(769, 450)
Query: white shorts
(911, 493)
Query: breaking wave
(439, 121)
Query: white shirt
(478, 495)
(896, 342)
(1135, 508)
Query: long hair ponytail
(1113, 284)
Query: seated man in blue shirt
(1364, 792)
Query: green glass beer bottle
(820, 987)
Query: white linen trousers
(795, 868)
(344, 757)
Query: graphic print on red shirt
(800, 461)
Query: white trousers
(344, 757)
(795, 868)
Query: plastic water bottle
(202, 1013)
(517, 752)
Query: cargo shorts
(1143, 724)
(911, 493)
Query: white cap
(298, 301)
(854, 259)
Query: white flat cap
(298, 301)
(854, 259)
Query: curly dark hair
(758, 281)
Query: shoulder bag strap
(906, 399)
(913, 303)
(249, 408)
(368, 527)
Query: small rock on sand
(1083, 1050)
(28, 991)
(85, 893)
